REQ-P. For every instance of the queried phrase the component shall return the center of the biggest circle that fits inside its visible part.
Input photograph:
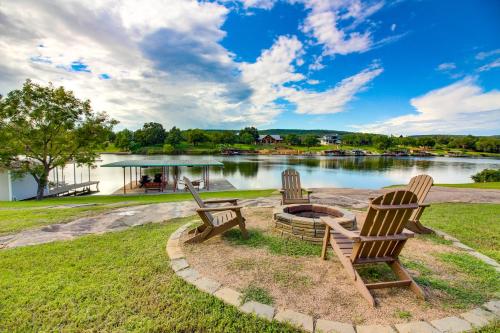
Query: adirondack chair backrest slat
(384, 223)
(291, 184)
(420, 185)
(197, 197)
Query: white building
(13, 188)
(330, 139)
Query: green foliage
(174, 136)
(168, 149)
(257, 294)
(310, 140)
(196, 136)
(486, 176)
(249, 130)
(150, 134)
(246, 138)
(490, 145)
(124, 139)
(116, 282)
(275, 244)
(292, 139)
(403, 314)
(48, 127)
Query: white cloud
(494, 64)
(334, 100)
(462, 107)
(164, 59)
(325, 19)
(261, 4)
(486, 54)
(313, 82)
(446, 66)
(393, 27)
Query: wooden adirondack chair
(228, 217)
(420, 185)
(291, 190)
(380, 240)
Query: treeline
(383, 142)
(154, 138)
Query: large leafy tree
(174, 136)
(150, 134)
(43, 127)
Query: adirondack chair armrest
(214, 201)
(408, 233)
(219, 209)
(423, 205)
(282, 191)
(307, 190)
(335, 225)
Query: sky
(393, 67)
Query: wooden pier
(73, 189)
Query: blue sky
(395, 67)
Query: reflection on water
(253, 172)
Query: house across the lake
(330, 139)
(269, 139)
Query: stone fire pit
(303, 220)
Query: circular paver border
(476, 318)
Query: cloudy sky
(396, 67)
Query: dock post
(124, 184)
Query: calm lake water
(260, 172)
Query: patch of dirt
(316, 287)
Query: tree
(196, 136)
(292, 139)
(246, 138)
(124, 139)
(383, 142)
(43, 127)
(310, 140)
(150, 134)
(174, 136)
(426, 141)
(252, 131)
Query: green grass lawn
(114, 282)
(20, 215)
(486, 186)
(476, 225)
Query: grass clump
(474, 282)
(257, 294)
(475, 225)
(435, 239)
(403, 314)
(274, 244)
(118, 282)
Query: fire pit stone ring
(302, 221)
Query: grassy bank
(113, 282)
(21, 215)
(485, 186)
(476, 225)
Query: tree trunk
(42, 183)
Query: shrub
(486, 176)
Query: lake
(261, 171)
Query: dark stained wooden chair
(380, 240)
(420, 185)
(291, 190)
(213, 225)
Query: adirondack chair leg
(360, 285)
(243, 229)
(326, 241)
(199, 237)
(402, 274)
(197, 230)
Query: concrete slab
(452, 325)
(416, 327)
(479, 317)
(328, 326)
(229, 296)
(259, 309)
(374, 329)
(207, 285)
(295, 318)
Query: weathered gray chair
(230, 216)
(380, 240)
(291, 190)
